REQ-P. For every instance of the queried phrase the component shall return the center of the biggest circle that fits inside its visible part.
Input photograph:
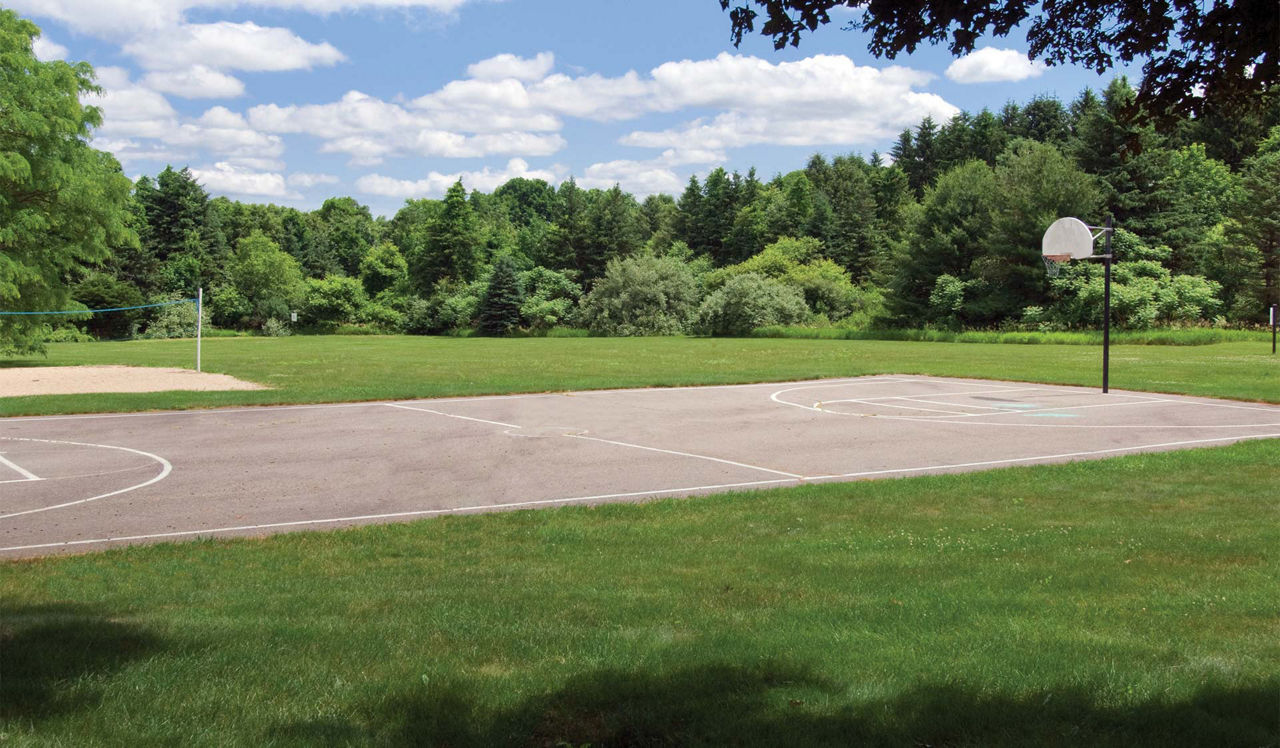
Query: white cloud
(305, 180)
(196, 82)
(369, 130)
(230, 46)
(123, 18)
(641, 178)
(990, 64)
(144, 126)
(510, 66)
(46, 50)
(650, 177)
(235, 180)
(436, 184)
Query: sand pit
(75, 380)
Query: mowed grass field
(306, 369)
(1131, 601)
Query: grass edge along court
(1119, 602)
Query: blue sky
(293, 101)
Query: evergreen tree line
(944, 233)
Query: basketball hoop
(1053, 264)
(1069, 239)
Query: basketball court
(83, 483)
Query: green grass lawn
(1132, 601)
(340, 368)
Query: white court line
(884, 404)
(450, 415)
(957, 394)
(1014, 460)
(165, 469)
(1021, 411)
(459, 399)
(27, 475)
(399, 515)
(545, 502)
(688, 454)
(605, 441)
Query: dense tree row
(945, 232)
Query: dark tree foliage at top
(1231, 50)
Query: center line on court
(686, 454)
(451, 415)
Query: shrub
(382, 316)
(419, 317)
(641, 295)
(749, 301)
(101, 291)
(276, 328)
(175, 321)
(550, 298)
(332, 300)
(65, 334)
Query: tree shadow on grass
(45, 649)
(775, 704)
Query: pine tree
(499, 311)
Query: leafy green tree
(499, 311)
(567, 241)
(616, 230)
(689, 228)
(383, 268)
(348, 228)
(641, 295)
(950, 232)
(527, 200)
(450, 248)
(62, 203)
(267, 278)
(1193, 194)
(1035, 185)
(1257, 224)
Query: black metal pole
(1106, 313)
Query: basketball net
(1053, 264)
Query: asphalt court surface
(83, 483)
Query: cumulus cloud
(116, 18)
(143, 125)
(195, 82)
(514, 106)
(510, 66)
(369, 130)
(230, 46)
(652, 176)
(990, 64)
(304, 180)
(46, 50)
(237, 180)
(436, 184)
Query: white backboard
(1068, 236)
